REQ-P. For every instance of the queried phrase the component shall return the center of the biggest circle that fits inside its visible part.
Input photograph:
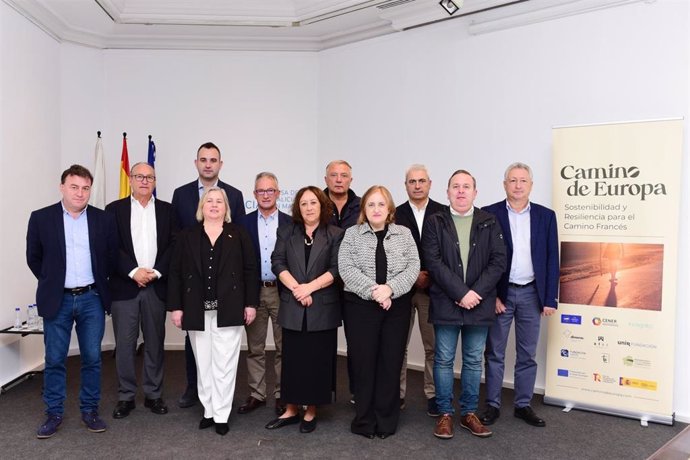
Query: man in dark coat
(413, 214)
(464, 252)
(147, 228)
(71, 248)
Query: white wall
(29, 159)
(438, 96)
(259, 108)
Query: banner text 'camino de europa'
(616, 197)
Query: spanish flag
(124, 169)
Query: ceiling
(299, 25)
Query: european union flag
(152, 157)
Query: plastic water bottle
(39, 318)
(31, 317)
(18, 318)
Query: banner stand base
(642, 417)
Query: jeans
(473, 341)
(87, 312)
(523, 306)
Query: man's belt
(520, 286)
(268, 284)
(80, 290)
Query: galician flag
(98, 186)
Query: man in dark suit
(412, 214)
(262, 226)
(147, 228)
(71, 248)
(527, 291)
(185, 201)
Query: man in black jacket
(146, 229)
(463, 250)
(413, 214)
(345, 202)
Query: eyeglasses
(141, 177)
(413, 182)
(266, 191)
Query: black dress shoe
(123, 408)
(251, 404)
(188, 399)
(307, 426)
(527, 414)
(281, 422)
(489, 416)
(366, 435)
(222, 428)
(383, 435)
(281, 407)
(206, 423)
(157, 406)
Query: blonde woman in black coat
(212, 294)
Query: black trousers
(376, 340)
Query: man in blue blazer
(71, 248)
(527, 291)
(147, 227)
(262, 226)
(185, 201)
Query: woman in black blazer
(212, 294)
(305, 259)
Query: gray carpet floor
(144, 435)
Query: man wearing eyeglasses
(185, 200)
(146, 228)
(262, 226)
(412, 214)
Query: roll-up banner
(616, 196)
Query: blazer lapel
(195, 244)
(504, 220)
(297, 248)
(60, 227)
(534, 227)
(320, 241)
(93, 234)
(125, 212)
(413, 220)
(229, 238)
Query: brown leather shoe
(444, 427)
(251, 404)
(471, 422)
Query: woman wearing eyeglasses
(212, 294)
(379, 264)
(305, 259)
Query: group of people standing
(337, 260)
